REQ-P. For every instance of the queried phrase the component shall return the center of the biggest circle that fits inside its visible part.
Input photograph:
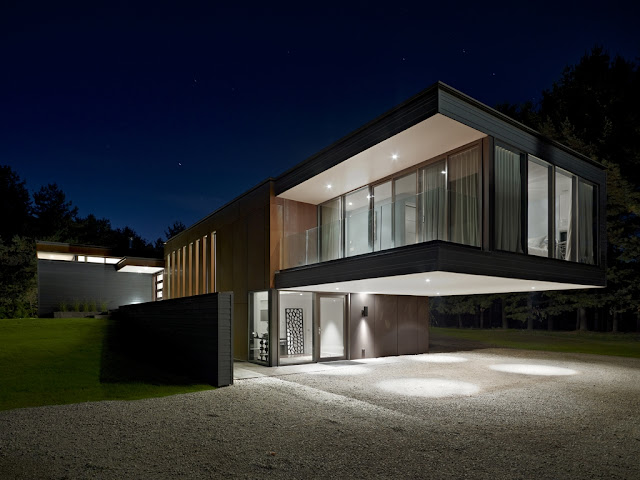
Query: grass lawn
(620, 344)
(56, 361)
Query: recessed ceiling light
(428, 280)
(437, 293)
(533, 288)
(337, 288)
(394, 156)
(328, 185)
(350, 203)
(444, 172)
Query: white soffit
(428, 139)
(140, 269)
(434, 284)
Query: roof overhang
(140, 265)
(436, 120)
(440, 284)
(428, 139)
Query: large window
(538, 207)
(330, 234)
(382, 216)
(433, 206)
(564, 207)
(405, 210)
(463, 181)
(508, 200)
(586, 222)
(357, 222)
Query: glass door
(331, 327)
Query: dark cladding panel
(77, 281)
(407, 325)
(361, 328)
(386, 326)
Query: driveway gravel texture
(493, 413)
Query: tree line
(594, 108)
(47, 215)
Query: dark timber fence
(191, 335)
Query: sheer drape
(464, 197)
(508, 226)
(434, 226)
(330, 230)
(585, 223)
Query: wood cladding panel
(386, 326)
(298, 218)
(241, 329)
(423, 325)
(361, 329)
(275, 238)
(240, 259)
(256, 238)
(407, 325)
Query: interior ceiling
(439, 284)
(428, 139)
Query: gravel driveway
(493, 413)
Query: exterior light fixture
(365, 311)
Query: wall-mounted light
(365, 311)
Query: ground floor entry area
(291, 327)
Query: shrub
(103, 306)
(62, 306)
(85, 306)
(76, 305)
(92, 306)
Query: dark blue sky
(147, 113)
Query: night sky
(148, 113)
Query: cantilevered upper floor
(442, 195)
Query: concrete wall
(68, 281)
(193, 334)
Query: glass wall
(356, 210)
(259, 327)
(463, 181)
(330, 235)
(295, 339)
(507, 181)
(405, 210)
(538, 207)
(565, 229)
(433, 202)
(586, 222)
(382, 216)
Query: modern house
(69, 274)
(337, 257)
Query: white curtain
(464, 197)
(508, 191)
(433, 202)
(330, 230)
(585, 223)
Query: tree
(595, 109)
(16, 204)
(175, 229)
(54, 215)
(18, 284)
